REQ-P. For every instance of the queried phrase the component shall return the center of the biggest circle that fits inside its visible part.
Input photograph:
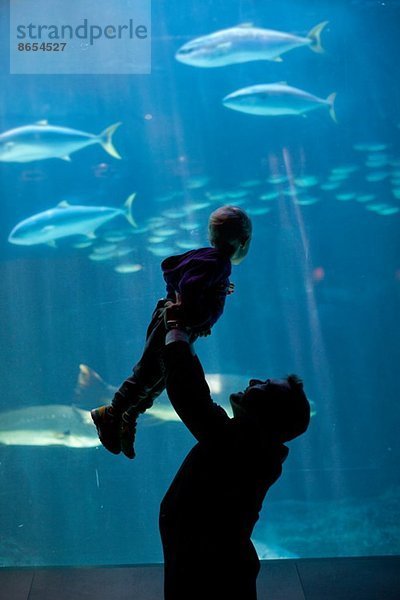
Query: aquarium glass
(299, 128)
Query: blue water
(318, 294)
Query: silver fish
(243, 44)
(41, 141)
(66, 220)
(274, 99)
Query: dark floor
(372, 578)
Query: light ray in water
(293, 220)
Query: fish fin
(128, 206)
(331, 100)
(43, 122)
(67, 158)
(63, 204)
(106, 140)
(315, 36)
(277, 59)
(92, 387)
(51, 243)
(90, 235)
(247, 24)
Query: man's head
(278, 404)
(229, 230)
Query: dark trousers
(147, 382)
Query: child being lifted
(201, 278)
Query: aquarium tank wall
(111, 163)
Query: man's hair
(227, 227)
(285, 411)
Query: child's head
(278, 404)
(229, 230)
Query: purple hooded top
(202, 279)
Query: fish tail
(106, 140)
(128, 206)
(315, 36)
(331, 101)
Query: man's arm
(188, 390)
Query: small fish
(275, 99)
(245, 43)
(198, 206)
(277, 179)
(365, 197)
(291, 191)
(98, 257)
(189, 226)
(377, 176)
(154, 239)
(162, 251)
(306, 181)
(164, 232)
(85, 244)
(65, 220)
(185, 245)
(306, 201)
(197, 181)
(216, 195)
(390, 210)
(370, 147)
(114, 237)
(344, 169)
(346, 197)
(174, 214)
(250, 183)
(42, 141)
(262, 210)
(376, 207)
(330, 185)
(269, 196)
(105, 249)
(128, 268)
(237, 194)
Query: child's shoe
(108, 427)
(127, 433)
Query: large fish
(94, 391)
(65, 220)
(274, 99)
(51, 425)
(41, 141)
(63, 425)
(243, 44)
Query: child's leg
(147, 380)
(136, 391)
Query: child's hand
(173, 313)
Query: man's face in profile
(258, 392)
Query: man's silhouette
(208, 514)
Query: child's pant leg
(147, 380)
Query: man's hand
(173, 314)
